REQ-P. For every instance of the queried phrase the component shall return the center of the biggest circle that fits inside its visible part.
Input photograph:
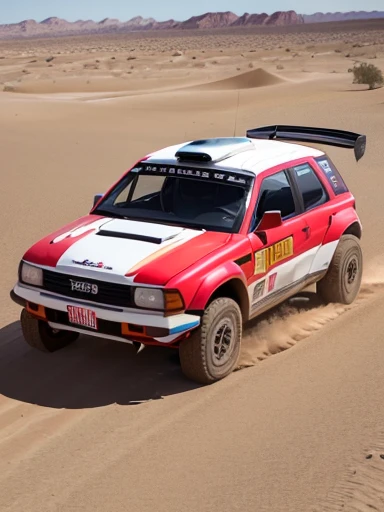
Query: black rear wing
(330, 137)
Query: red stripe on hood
(48, 254)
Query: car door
(279, 262)
(317, 209)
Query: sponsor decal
(81, 316)
(208, 174)
(80, 286)
(303, 170)
(259, 290)
(88, 263)
(273, 254)
(334, 181)
(272, 282)
(332, 175)
(324, 164)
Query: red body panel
(159, 271)
(211, 270)
(339, 222)
(290, 228)
(219, 276)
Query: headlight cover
(159, 299)
(149, 298)
(31, 275)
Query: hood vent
(134, 236)
(140, 231)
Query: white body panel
(324, 256)
(262, 155)
(287, 274)
(177, 324)
(118, 255)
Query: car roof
(242, 153)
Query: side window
(275, 194)
(332, 175)
(309, 186)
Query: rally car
(195, 240)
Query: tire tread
(36, 338)
(329, 287)
(193, 350)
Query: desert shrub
(368, 74)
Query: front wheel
(212, 352)
(341, 284)
(39, 335)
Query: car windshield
(197, 198)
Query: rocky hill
(320, 17)
(58, 27)
(55, 27)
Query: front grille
(108, 293)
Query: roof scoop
(213, 150)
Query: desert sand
(299, 427)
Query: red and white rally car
(195, 240)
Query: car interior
(198, 199)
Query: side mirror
(96, 199)
(270, 220)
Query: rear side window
(332, 175)
(310, 187)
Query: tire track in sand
(299, 318)
(362, 487)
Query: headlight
(155, 298)
(149, 298)
(31, 275)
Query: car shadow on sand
(93, 372)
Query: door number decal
(273, 254)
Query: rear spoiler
(330, 137)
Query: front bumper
(156, 326)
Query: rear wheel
(39, 335)
(212, 352)
(341, 284)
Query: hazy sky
(17, 10)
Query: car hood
(119, 250)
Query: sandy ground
(294, 430)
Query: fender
(343, 221)
(219, 277)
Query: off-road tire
(219, 335)
(341, 284)
(39, 335)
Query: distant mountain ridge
(210, 20)
(320, 17)
(56, 27)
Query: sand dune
(250, 80)
(85, 84)
(293, 430)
